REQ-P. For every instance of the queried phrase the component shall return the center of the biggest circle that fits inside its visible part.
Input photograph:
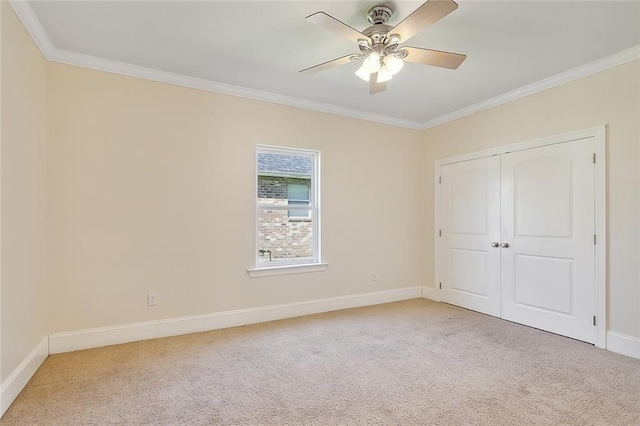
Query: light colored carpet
(406, 363)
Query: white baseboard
(14, 384)
(623, 344)
(430, 293)
(105, 336)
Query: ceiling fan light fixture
(384, 74)
(363, 73)
(372, 62)
(393, 64)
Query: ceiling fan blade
(435, 58)
(374, 86)
(430, 12)
(330, 23)
(329, 64)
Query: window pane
(284, 240)
(283, 177)
(298, 194)
(280, 190)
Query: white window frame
(292, 266)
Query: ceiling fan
(379, 44)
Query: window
(287, 207)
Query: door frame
(596, 134)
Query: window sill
(287, 270)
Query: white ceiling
(262, 45)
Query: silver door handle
(504, 245)
(495, 244)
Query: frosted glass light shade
(363, 73)
(384, 74)
(372, 62)
(371, 65)
(393, 64)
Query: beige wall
(610, 97)
(23, 311)
(153, 188)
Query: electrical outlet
(152, 299)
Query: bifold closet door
(470, 227)
(547, 216)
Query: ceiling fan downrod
(379, 15)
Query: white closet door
(470, 221)
(548, 222)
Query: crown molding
(29, 19)
(602, 64)
(32, 24)
(86, 61)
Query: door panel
(537, 192)
(470, 219)
(544, 283)
(470, 184)
(467, 266)
(547, 211)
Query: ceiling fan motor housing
(377, 32)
